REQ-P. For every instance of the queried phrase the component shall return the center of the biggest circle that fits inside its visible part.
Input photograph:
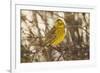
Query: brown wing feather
(50, 35)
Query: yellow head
(59, 23)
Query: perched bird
(56, 35)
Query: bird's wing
(50, 35)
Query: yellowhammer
(56, 35)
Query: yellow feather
(57, 33)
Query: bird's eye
(60, 22)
